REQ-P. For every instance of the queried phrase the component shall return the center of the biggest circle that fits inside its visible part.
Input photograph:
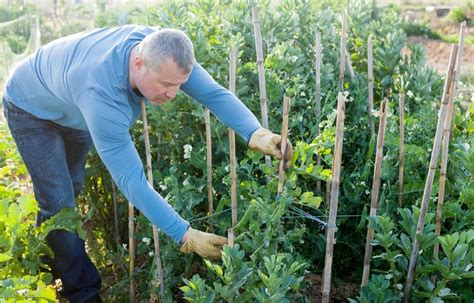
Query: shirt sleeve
(108, 123)
(221, 102)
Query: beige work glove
(268, 143)
(204, 244)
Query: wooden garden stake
(233, 174)
(401, 111)
(207, 119)
(5, 60)
(342, 60)
(443, 171)
(336, 170)
(116, 216)
(370, 79)
(158, 155)
(261, 73)
(431, 173)
(374, 204)
(230, 237)
(131, 250)
(318, 97)
(349, 64)
(342, 53)
(283, 145)
(447, 133)
(459, 61)
(328, 191)
(156, 238)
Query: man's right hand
(204, 244)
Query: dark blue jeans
(55, 157)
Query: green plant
(420, 29)
(456, 265)
(377, 291)
(458, 14)
(241, 281)
(21, 246)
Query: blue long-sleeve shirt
(81, 81)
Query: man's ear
(138, 62)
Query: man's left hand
(268, 143)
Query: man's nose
(171, 94)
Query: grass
(467, 78)
(454, 38)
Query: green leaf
(4, 257)
(45, 292)
(309, 199)
(28, 205)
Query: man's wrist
(185, 237)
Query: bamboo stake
(459, 62)
(431, 173)
(342, 60)
(283, 145)
(349, 64)
(443, 171)
(336, 169)
(230, 237)
(131, 250)
(370, 78)
(318, 97)
(447, 133)
(261, 73)
(210, 201)
(116, 216)
(233, 174)
(5, 58)
(401, 111)
(374, 204)
(158, 155)
(342, 53)
(156, 239)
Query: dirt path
(437, 53)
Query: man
(86, 88)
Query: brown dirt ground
(437, 53)
(340, 290)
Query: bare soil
(340, 290)
(437, 53)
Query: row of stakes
(441, 141)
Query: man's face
(162, 85)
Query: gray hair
(164, 44)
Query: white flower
(163, 187)
(186, 182)
(146, 240)
(151, 253)
(187, 151)
(410, 94)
